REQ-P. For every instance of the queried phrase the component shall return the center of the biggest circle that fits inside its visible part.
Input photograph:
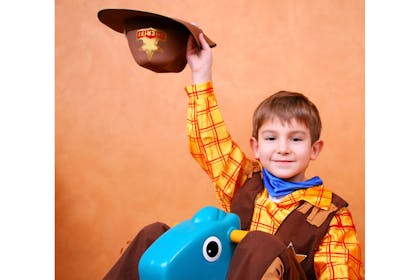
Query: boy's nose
(283, 147)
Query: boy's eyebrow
(299, 131)
(268, 131)
(290, 132)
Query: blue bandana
(277, 187)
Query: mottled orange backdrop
(122, 159)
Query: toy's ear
(237, 235)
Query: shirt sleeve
(211, 145)
(339, 255)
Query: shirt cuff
(199, 89)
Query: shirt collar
(318, 196)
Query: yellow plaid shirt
(339, 255)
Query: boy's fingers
(191, 46)
(203, 42)
(190, 43)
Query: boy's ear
(316, 149)
(254, 146)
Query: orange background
(122, 159)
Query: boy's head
(287, 106)
(285, 137)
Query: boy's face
(285, 149)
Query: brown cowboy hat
(156, 42)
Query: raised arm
(209, 140)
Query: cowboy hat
(156, 42)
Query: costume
(220, 157)
(304, 227)
(126, 266)
(264, 252)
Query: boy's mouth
(282, 160)
(282, 163)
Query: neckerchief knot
(277, 187)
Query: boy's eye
(270, 138)
(296, 139)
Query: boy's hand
(199, 60)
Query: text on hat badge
(150, 38)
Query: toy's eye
(212, 249)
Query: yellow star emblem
(150, 38)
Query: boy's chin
(288, 176)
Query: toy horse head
(199, 248)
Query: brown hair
(286, 106)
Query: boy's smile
(285, 149)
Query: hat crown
(156, 42)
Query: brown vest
(305, 227)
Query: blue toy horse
(200, 248)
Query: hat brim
(116, 19)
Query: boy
(284, 212)
(272, 196)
